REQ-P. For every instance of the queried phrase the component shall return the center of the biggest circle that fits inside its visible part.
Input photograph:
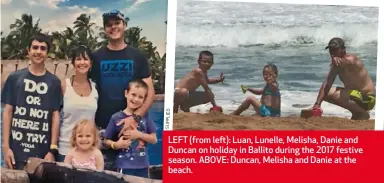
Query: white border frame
(170, 65)
(171, 44)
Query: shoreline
(219, 121)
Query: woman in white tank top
(79, 98)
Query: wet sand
(218, 121)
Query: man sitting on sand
(358, 93)
(185, 94)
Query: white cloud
(48, 3)
(52, 17)
(135, 4)
(6, 1)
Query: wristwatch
(53, 150)
(137, 117)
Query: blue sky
(149, 15)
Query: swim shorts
(269, 111)
(365, 101)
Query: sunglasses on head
(113, 13)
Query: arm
(150, 98)
(63, 86)
(55, 127)
(68, 158)
(99, 160)
(214, 80)
(347, 60)
(150, 138)
(7, 97)
(256, 91)
(56, 113)
(326, 86)
(273, 86)
(141, 71)
(120, 144)
(6, 127)
(202, 79)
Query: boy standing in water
(186, 95)
(358, 93)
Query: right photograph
(242, 65)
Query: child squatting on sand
(269, 104)
(85, 144)
(132, 157)
(185, 94)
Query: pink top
(89, 164)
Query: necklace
(81, 94)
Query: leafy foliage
(84, 31)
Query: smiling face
(82, 63)
(85, 137)
(205, 62)
(114, 29)
(38, 52)
(135, 96)
(268, 72)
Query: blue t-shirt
(135, 157)
(112, 71)
(34, 99)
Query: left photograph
(82, 88)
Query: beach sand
(218, 121)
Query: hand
(336, 61)
(49, 157)
(9, 158)
(132, 134)
(271, 79)
(244, 88)
(316, 106)
(222, 77)
(128, 122)
(123, 143)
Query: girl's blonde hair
(81, 124)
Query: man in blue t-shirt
(115, 66)
(32, 99)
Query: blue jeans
(136, 172)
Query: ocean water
(156, 113)
(246, 36)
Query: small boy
(132, 156)
(185, 94)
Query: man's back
(355, 75)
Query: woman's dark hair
(80, 51)
(271, 66)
